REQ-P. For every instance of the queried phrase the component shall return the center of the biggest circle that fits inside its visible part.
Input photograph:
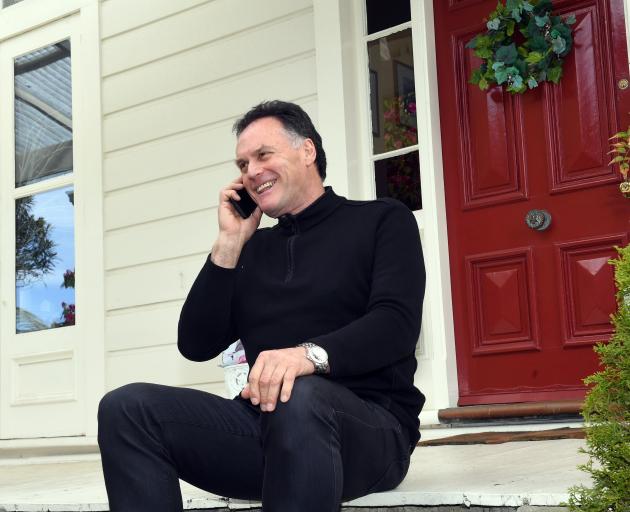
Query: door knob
(538, 219)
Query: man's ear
(310, 153)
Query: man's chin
(271, 213)
(271, 210)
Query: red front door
(529, 305)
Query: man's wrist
(226, 250)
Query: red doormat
(508, 437)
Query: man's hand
(234, 230)
(275, 371)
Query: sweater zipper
(290, 264)
(290, 244)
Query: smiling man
(328, 305)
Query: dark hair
(293, 119)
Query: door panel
(587, 288)
(504, 317)
(486, 123)
(529, 305)
(581, 110)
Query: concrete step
(530, 476)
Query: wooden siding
(175, 76)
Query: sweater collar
(313, 214)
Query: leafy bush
(607, 413)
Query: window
(44, 190)
(7, 3)
(388, 40)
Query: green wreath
(545, 41)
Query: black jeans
(323, 446)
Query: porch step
(528, 476)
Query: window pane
(7, 3)
(382, 15)
(44, 260)
(392, 92)
(43, 114)
(399, 177)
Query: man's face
(280, 177)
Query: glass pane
(399, 177)
(44, 260)
(392, 92)
(382, 15)
(43, 114)
(7, 3)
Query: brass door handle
(538, 220)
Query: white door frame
(37, 17)
(343, 100)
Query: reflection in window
(44, 260)
(43, 114)
(392, 92)
(399, 177)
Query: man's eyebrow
(263, 148)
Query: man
(327, 304)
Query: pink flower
(411, 108)
(398, 144)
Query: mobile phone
(246, 206)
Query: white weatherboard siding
(175, 76)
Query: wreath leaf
(521, 65)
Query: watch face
(319, 354)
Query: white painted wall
(175, 76)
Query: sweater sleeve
(205, 323)
(390, 327)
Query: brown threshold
(518, 410)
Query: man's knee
(309, 404)
(122, 403)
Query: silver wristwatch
(316, 355)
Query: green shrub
(607, 413)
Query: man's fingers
(254, 375)
(265, 383)
(273, 389)
(287, 386)
(257, 214)
(230, 190)
(228, 193)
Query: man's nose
(253, 169)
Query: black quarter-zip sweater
(346, 275)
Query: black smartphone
(246, 206)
